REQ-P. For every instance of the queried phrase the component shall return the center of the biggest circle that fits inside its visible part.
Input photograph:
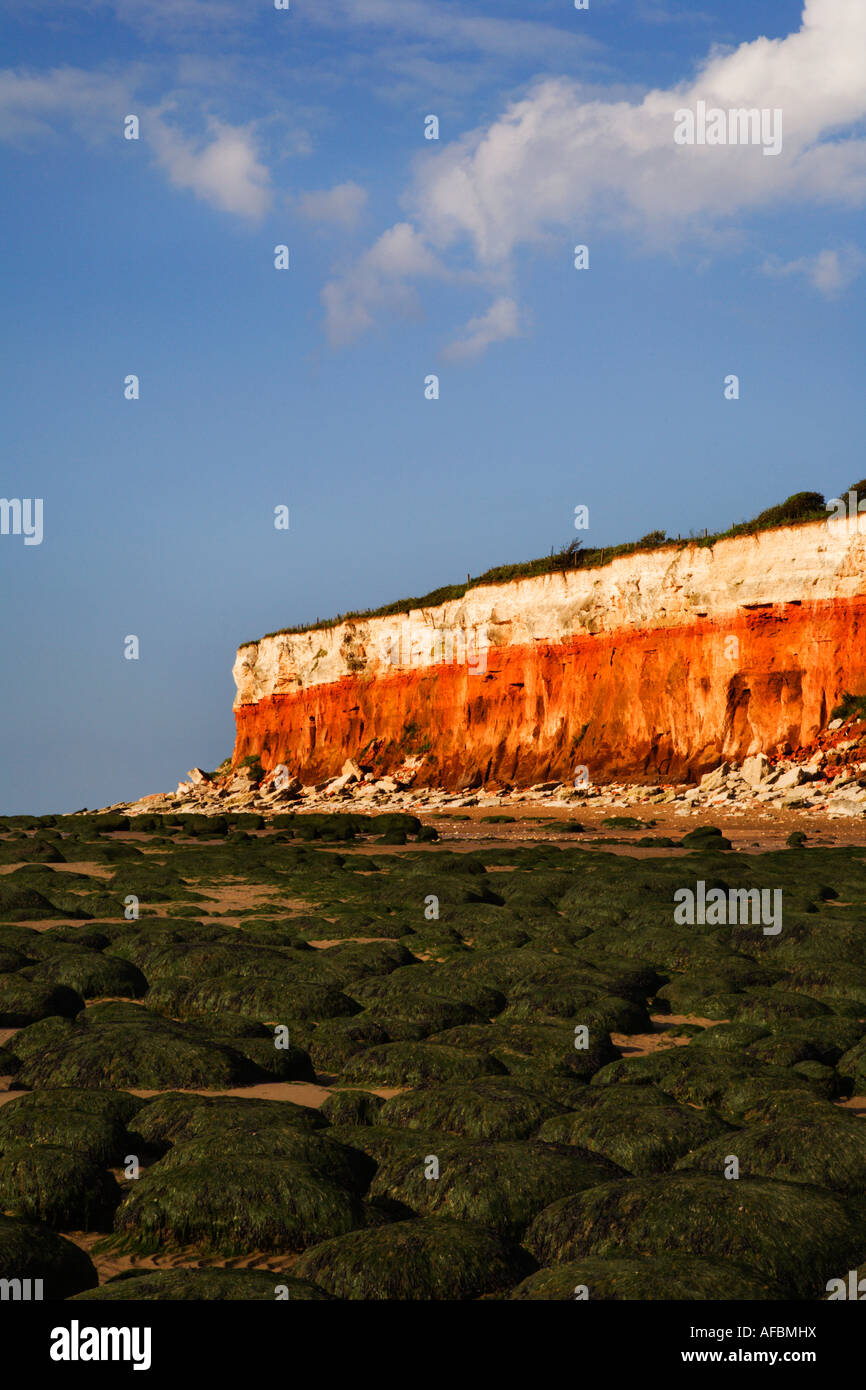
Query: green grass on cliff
(801, 508)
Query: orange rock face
(638, 704)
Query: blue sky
(408, 257)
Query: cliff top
(800, 509)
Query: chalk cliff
(655, 666)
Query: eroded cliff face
(657, 666)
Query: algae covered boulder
(234, 1204)
(334, 1041)
(24, 1001)
(827, 1152)
(414, 1063)
(532, 1047)
(432, 1258)
(347, 1167)
(58, 1187)
(638, 1127)
(497, 1185)
(91, 1123)
(174, 1117)
(351, 1107)
(92, 974)
(792, 1235)
(198, 1285)
(32, 1251)
(489, 1108)
(125, 1046)
(649, 1277)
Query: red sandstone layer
(640, 704)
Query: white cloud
(830, 271)
(553, 160)
(443, 24)
(343, 204)
(224, 171)
(158, 19)
(38, 103)
(449, 27)
(502, 321)
(379, 281)
(559, 164)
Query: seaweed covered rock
(489, 1108)
(32, 1251)
(690, 992)
(638, 1127)
(36, 1037)
(604, 1012)
(354, 961)
(792, 1235)
(352, 1108)
(690, 1075)
(347, 1167)
(24, 1001)
(852, 1067)
(433, 1258)
(425, 1013)
(91, 974)
(498, 1185)
(234, 1204)
(92, 1123)
(730, 1037)
(807, 1040)
(58, 1187)
(271, 1000)
(22, 904)
(335, 1040)
(414, 1063)
(645, 1278)
(125, 1046)
(409, 988)
(203, 1285)
(174, 1117)
(526, 1047)
(823, 1150)
(271, 1057)
(770, 1006)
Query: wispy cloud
(556, 160)
(154, 19)
(378, 282)
(501, 322)
(223, 170)
(450, 27)
(830, 271)
(38, 103)
(341, 205)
